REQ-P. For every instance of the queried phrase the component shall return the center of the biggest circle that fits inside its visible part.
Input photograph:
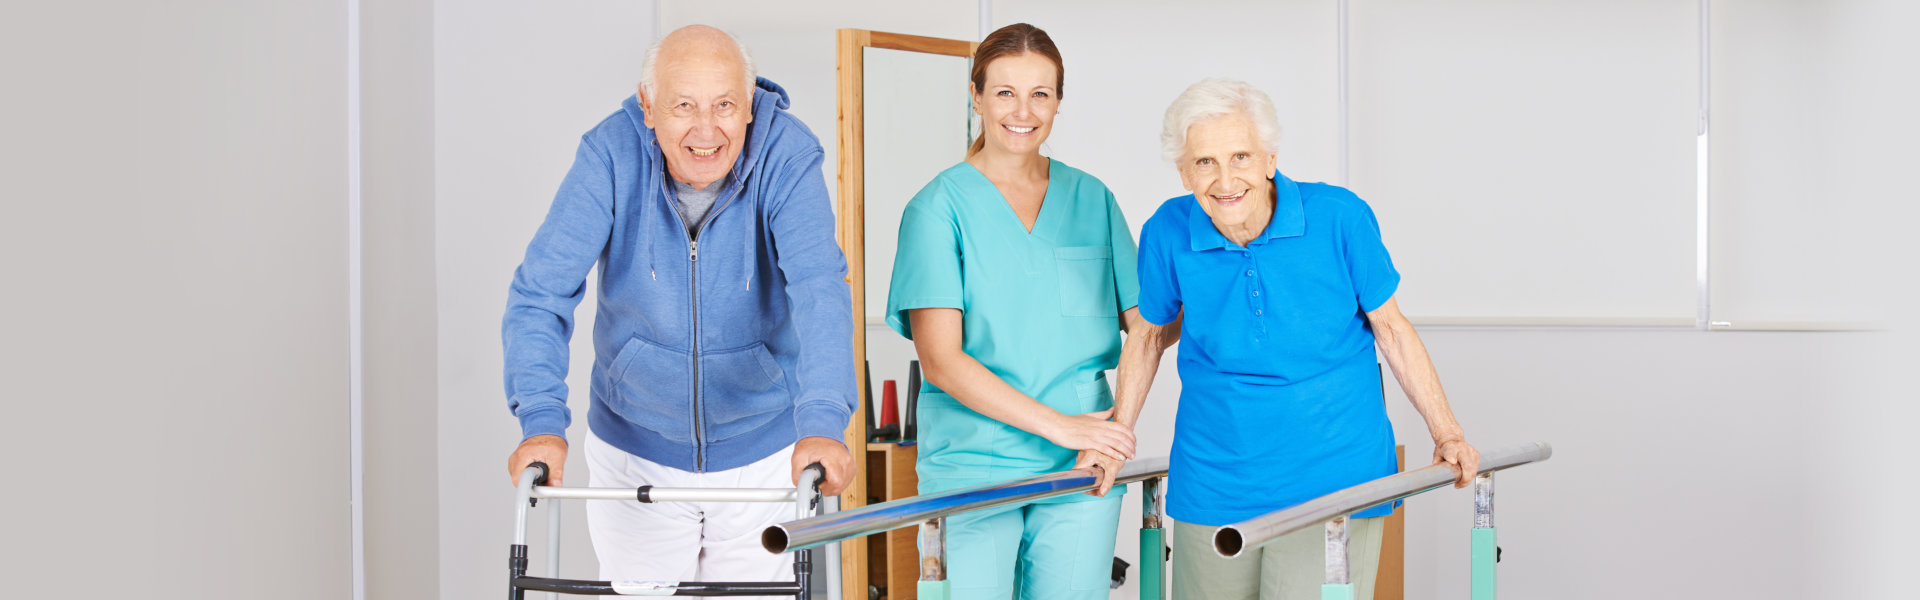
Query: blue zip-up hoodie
(706, 357)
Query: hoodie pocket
(1086, 281)
(652, 388)
(744, 390)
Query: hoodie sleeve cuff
(820, 419)
(545, 421)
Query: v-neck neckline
(1046, 199)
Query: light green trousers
(1290, 568)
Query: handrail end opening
(774, 539)
(1228, 542)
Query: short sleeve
(926, 265)
(1126, 274)
(1369, 266)
(1159, 291)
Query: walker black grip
(542, 479)
(820, 470)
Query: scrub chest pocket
(1086, 281)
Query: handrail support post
(1486, 548)
(933, 560)
(1153, 554)
(1339, 585)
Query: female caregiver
(1282, 291)
(1011, 278)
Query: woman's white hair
(652, 56)
(1212, 97)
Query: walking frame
(806, 498)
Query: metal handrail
(886, 516)
(1231, 540)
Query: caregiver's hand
(1090, 431)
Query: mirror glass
(917, 120)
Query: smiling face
(1230, 172)
(1017, 104)
(700, 109)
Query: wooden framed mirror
(905, 96)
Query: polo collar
(1289, 219)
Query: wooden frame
(852, 235)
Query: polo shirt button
(1256, 312)
(1249, 272)
(1256, 292)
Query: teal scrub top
(1041, 310)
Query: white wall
(400, 331)
(1652, 427)
(1686, 464)
(515, 85)
(174, 239)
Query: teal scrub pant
(1060, 550)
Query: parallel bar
(669, 494)
(1233, 539)
(886, 516)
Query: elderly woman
(1290, 290)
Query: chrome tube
(660, 494)
(553, 544)
(885, 516)
(1231, 540)
(933, 549)
(520, 504)
(804, 493)
(1337, 551)
(1483, 501)
(1150, 504)
(830, 505)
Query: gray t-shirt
(694, 204)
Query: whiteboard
(1801, 96)
(1531, 160)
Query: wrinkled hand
(550, 449)
(1091, 431)
(1105, 466)
(1463, 457)
(830, 453)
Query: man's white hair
(1212, 97)
(648, 85)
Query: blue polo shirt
(1280, 398)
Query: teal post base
(935, 590)
(1336, 591)
(1485, 547)
(1153, 564)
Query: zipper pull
(694, 254)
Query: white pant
(693, 541)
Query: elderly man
(723, 332)
(1279, 292)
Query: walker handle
(819, 475)
(541, 479)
